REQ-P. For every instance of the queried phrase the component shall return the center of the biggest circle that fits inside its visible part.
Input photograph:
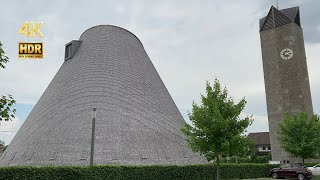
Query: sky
(189, 42)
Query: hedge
(254, 159)
(310, 164)
(156, 172)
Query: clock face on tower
(286, 53)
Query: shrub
(156, 172)
(255, 159)
(310, 164)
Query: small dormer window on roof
(68, 51)
(71, 49)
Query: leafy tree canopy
(6, 102)
(3, 58)
(299, 135)
(216, 127)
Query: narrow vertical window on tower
(68, 51)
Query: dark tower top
(277, 18)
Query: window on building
(264, 148)
(269, 147)
(84, 155)
(68, 51)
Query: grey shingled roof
(277, 18)
(137, 120)
(260, 138)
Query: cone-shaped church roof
(137, 121)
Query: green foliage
(6, 111)
(299, 135)
(168, 172)
(246, 171)
(242, 147)
(216, 127)
(310, 164)
(316, 178)
(260, 159)
(3, 58)
(6, 103)
(254, 159)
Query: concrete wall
(286, 81)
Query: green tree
(3, 58)
(216, 124)
(242, 147)
(6, 102)
(299, 135)
(6, 111)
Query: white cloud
(167, 10)
(8, 129)
(207, 47)
(312, 51)
(260, 124)
(120, 8)
(135, 14)
(189, 42)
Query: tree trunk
(237, 159)
(218, 167)
(302, 160)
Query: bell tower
(285, 71)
